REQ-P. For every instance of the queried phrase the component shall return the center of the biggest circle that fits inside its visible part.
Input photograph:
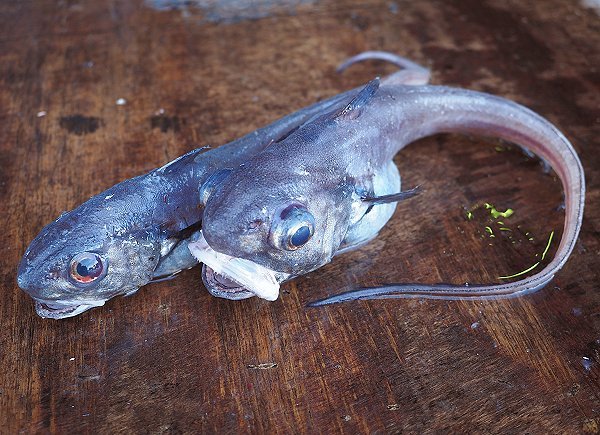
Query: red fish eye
(86, 267)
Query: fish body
(283, 200)
(293, 206)
(136, 231)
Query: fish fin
(444, 292)
(211, 183)
(180, 161)
(163, 278)
(394, 197)
(411, 73)
(354, 108)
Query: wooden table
(172, 358)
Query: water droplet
(587, 363)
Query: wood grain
(173, 359)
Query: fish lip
(51, 310)
(253, 278)
(219, 289)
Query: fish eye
(86, 267)
(292, 228)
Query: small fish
(137, 231)
(331, 185)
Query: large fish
(331, 185)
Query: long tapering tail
(427, 110)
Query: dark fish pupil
(301, 236)
(89, 267)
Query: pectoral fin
(394, 197)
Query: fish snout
(35, 281)
(24, 277)
(22, 281)
(27, 283)
(48, 303)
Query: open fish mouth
(234, 278)
(51, 310)
(222, 287)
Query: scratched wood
(173, 359)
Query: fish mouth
(232, 277)
(52, 310)
(223, 287)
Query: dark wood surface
(173, 359)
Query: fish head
(77, 263)
(266, 223)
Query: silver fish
(137, 231)
(331, 185)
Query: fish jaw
(232, 277)
(52, 310)
(220, 286)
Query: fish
(137, 231)
(331, 185)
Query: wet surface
(172, 358)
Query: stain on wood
(79, 124)
(172, 358)
(166, 123)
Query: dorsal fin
(180, 161)
(353, 109)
